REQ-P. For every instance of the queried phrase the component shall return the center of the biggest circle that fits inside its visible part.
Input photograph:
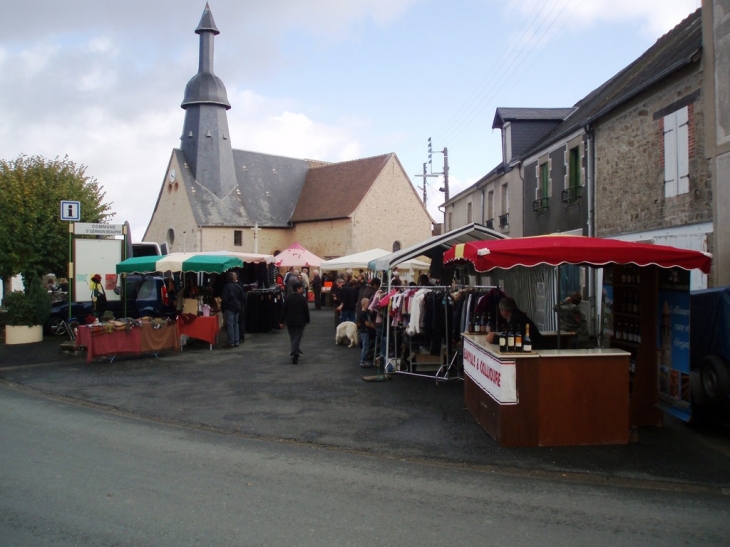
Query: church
(215, 197)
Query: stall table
(137, 340)
(547, 397)
(200, 327)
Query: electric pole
(425, 175)
(445, 173)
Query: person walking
(295, 315)
(366, 328)
(232, 302)
(317, 289)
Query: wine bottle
(527, 341)
(503, 341)
(471, 323)
(490, 328)
(510, 341)
(518, 341)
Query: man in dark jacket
(232, 302)
(348, 305)
(516, 321)
(295, 315)
(317, 289)
(369, 290)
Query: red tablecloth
(135, 340)
(104, 343)
(201, 328)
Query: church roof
(335, 190)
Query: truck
(709, 351)
(146, 295)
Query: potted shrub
(26, 313)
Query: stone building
(215, 197)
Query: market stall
(128, 337)
(609, 390)
(197, 318)
(430, 352)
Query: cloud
(653, 17)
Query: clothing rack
(394, 361)
(448, 357)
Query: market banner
(496, 377)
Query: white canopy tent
(361, 260)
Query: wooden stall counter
(547, 397)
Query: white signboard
(70, 210)
(496, 377)
(96, 256)
(90, 229)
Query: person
(348, 305)
(516, 321)
(288, 274)
(369, 290)
(572, 319)
(291, 279)
(232, 301)
(63, 284)
(295, 315)
(366, 329)
(336, 293)
(305, 282)
(424, 281)
(50, 286)
(98, 296)
(316, 284)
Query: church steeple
(205, 140)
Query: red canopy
(555, 250)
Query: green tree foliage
(33, 238)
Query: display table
(547, 397)
(200, 327)
(144, 339)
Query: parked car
(145, 296)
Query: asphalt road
(72, 475)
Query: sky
(101, 81)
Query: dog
(347, 331)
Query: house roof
(503, 115)
(266, 192)
(335, 190)
(673, 51)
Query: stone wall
(630, 164)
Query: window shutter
(670, 155)
(682, 151)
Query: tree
(33, 238)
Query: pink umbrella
(296, 256)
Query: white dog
(347, 331)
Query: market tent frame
(363, 259)
(180, 262)
(296, 256)
(434, 247)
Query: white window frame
(676, 153)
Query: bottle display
(510, 341)
(503, 341)
(527, 341)
(518, 341)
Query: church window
(396, 246)
(170, 237)
(237, 238)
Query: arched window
(170, 237)
(396, 246)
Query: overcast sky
(102, 81)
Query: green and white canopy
(180, 262)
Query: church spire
(205, 140)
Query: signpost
(70, 210)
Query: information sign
(70, 210)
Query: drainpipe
(590, 198)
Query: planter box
(23, 334)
